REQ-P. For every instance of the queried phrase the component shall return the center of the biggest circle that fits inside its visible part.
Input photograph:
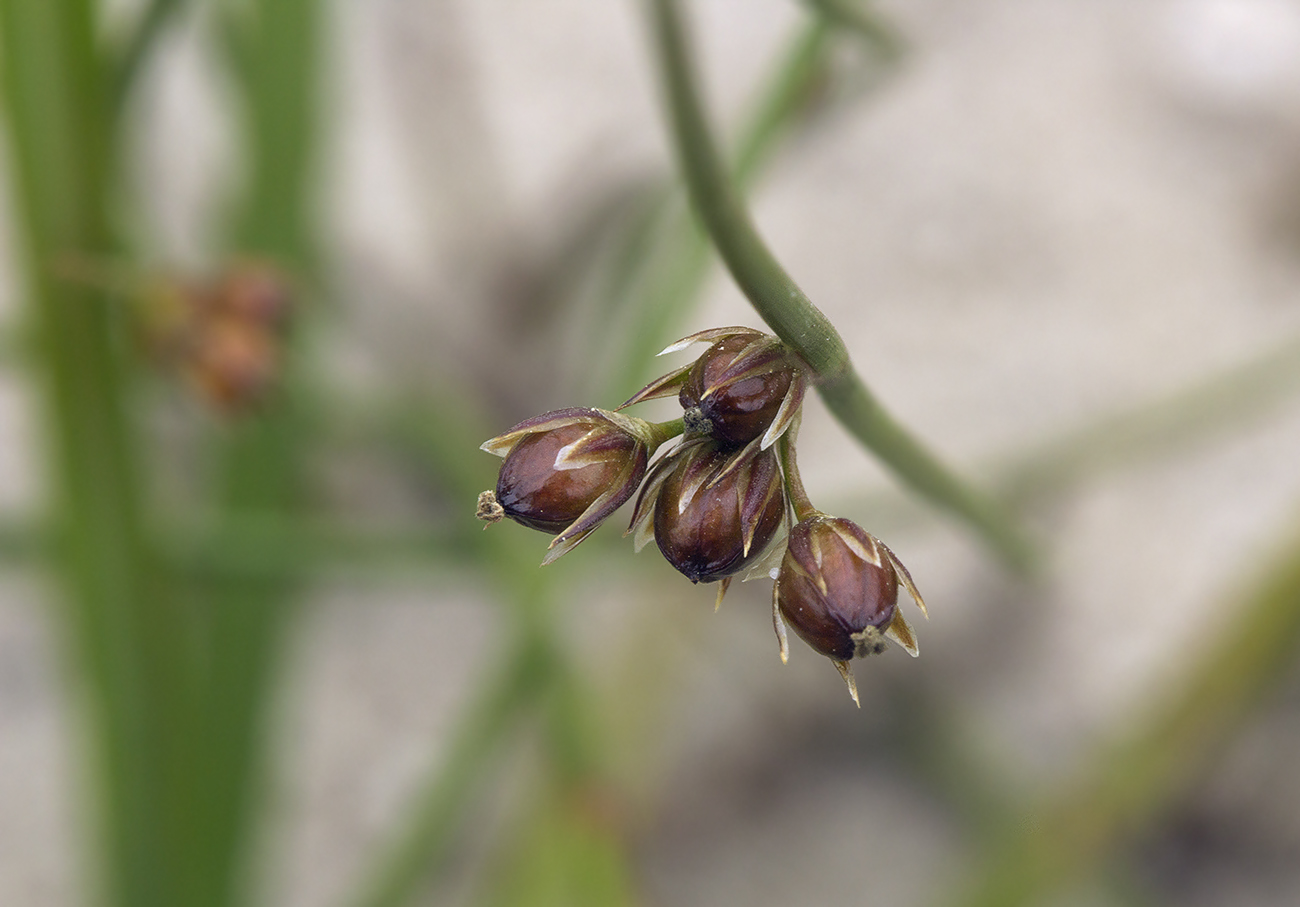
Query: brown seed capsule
(838, 588)
(734, 390)
(746, 388)
(713, 512)
(564, 472)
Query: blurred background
(270, 272)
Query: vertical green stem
(135, 52)
(127, 632)
(261, 463)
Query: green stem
(1068, 836)
(128, 631)
(139, 44)
(789, 312)
(667, 255)
(271, 549)
(665, 431)
(423, 844)
(795, 492)
(440, 432)
(261, 472)
(857, 18)
(1168, 424)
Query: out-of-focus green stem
(260, 476)
(22, 543)
(273, 549)
(1208, 404)
(854, 16)
(128, 633)
(139, 44)
(1059, 843)
(441, 431)
(421, 846)
(789, 312)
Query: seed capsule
(712, 512)
(746, 388)
(838, 589)
(735, 389)
(564, 472)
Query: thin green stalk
(666, 431)
(272, 549)
(863, 21)
(139, 44)
(673, 270)
(1061, 842)
(796, 494)
(1167, 424)
(445, 434)
(22, 543)
(422, 845)
(127, 632)
(285, 549)
(262, 457)
(789, 312)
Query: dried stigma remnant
(565, 471)
(838, 588)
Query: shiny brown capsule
(746, 388)
(838, 588)
(712, 512)
(735, 389)
(564, 472)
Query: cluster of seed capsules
(718, 500)
(224, 336)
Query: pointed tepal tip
(778, 624)
(847, 673)
(722, 590)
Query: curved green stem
(792, 315)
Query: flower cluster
(714, 503)
(224, 337)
